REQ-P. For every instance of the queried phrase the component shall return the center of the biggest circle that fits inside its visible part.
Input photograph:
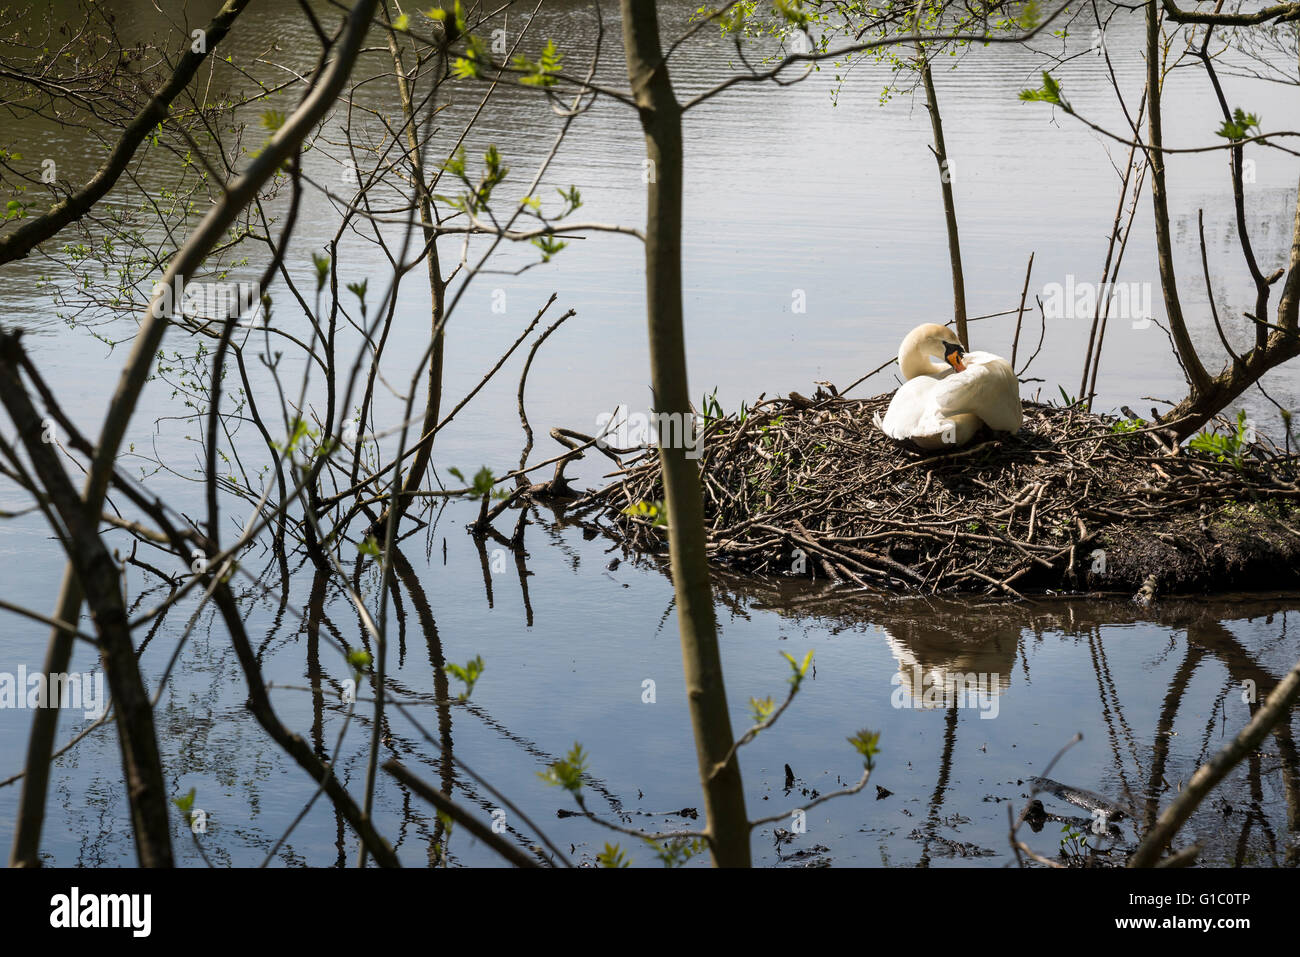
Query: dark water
(786, 193)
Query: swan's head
(926, 342)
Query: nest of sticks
(1072, 502)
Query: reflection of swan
(930, 677)
(938, 657)
(943, 406)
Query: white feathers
(944, 408)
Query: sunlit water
(788, 197)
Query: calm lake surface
(790, 193)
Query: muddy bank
(1074, 502)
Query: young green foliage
(613, 856)
(867, 744)
(1229, 448)
(1239, 127)
(484, 482)
(567, 772)
(360, 660)
(1049, 93)
(799, 671)
(452, 20)
(761, 709)
(676, 851)
(542, 72)
(653, 512)
(469, 673)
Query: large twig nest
(812, 487)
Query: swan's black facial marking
(952, 353)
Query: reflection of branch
(1207, 776)
(1165, 725)
(293, 744)
(482, 782)
(99, 578)
(458, 814)
(523, 379)
(479, 228)
(211, 230)
(634, 832)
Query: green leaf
(867, 744)
(469, 673)
(612, 856)
(676, 851)
(453, 20)
(653, 512)
(1240, 126)
(539, 73)
(474, 62)
(322, 264)
(1049, 93)
(455, 164)
(792, 11)
(549, 246)
(566, 772)
(798, 670)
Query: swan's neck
(913, 361)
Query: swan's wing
(912, 411)
(988, 388)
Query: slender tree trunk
(1282, 345)
(949, 206)
(1197, 377)
(97, 575)
(661, 120)
(1210, 395)
(437, 291)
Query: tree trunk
(1282, 344)
(1197, 377)
(135, 374)
(98, 577)
(949, 206)
(437, 291)
(661, 120)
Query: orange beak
(954, 359)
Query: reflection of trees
(950, 638)
(1242, 666)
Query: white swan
(942, 404)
